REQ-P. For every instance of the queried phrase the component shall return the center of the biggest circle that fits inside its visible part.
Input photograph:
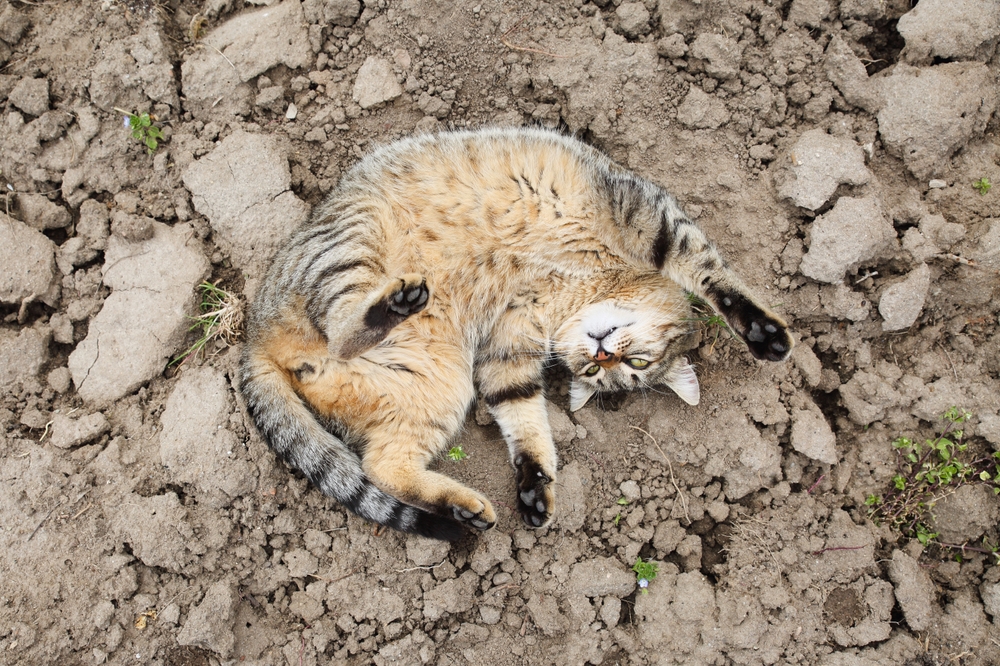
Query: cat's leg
(650, 228)
(509, 374)
(362, 319)
(404, 402)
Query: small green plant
(618, 519)
(645, 572)
(622, 501)
(143, 129)
(456, 454)
(926, 473)
(711, 320)
(220, 318)
(982, 185)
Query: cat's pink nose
(602, 355)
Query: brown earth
(828, 146)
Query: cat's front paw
(535, 494)
(411, 297)
(768, 338)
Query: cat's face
(630, 340)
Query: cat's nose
(603, 334)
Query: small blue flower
(126, 121)
(643, 583)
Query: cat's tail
(296, 435)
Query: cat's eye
(639, 363)
(592, 370)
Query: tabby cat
(444, 263)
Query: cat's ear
(579, 394)
(684, 382)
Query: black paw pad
(533, 498)
(471, 519)
(768, 339)
(410, 299)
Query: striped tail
(297, 436)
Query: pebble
(937, 184)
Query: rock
(590, 70)
(854, 231)
(142, 323)
(990, 593)
(939, 397)
(721, 55)
(931, 112)
(809, 13)
(132, 228)
(989, 427)
(27, 264)
(812, 435)
(633, 19)
(242, 48)
(943, 233)
(740, 454)
(676, 613)
(31, 96)
(808, 363)
(563, 429)
(493, 548)
(545, 614)
(40, 213)
(155, 527)
(271, 98)
(135, 69)
(68, 433)
(841, 302)
(305, 606)
(818, 164)
(571, 497)
(195, 445)
(846, 71)
(699, 110)
(914, 591)
(452, 596)
(630, 490)
(59, 379)
(672, 46)
(964, 515)
(433, 106)
(426, 552)
(336, 12)
(901, 303)
(22, 354)
(300, 563)
(376, 83)
(210, 624)
(950, 29)
(867, 397)
(600, 577)
(243, 187)
(13, 24)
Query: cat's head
(631, 336)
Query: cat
(443, 263)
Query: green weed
(982, 185)
(645, 572)
(928, 472)
(709, 319)
(143, 129)
(456, 454)
(220, 318)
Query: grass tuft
(221, 318)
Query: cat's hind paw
(535, 494)
(411, 295)
(482, 519)
(768, 338)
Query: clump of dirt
(829, 147)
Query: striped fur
(445, 263)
